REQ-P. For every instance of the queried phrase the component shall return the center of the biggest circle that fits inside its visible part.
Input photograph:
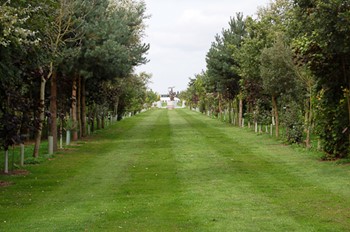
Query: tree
(322, 36)
(151, 97)
(308, 83)
(248, 57)
(221, 61)
(278, 73)
(132, 93)
(63, 43)
(111, 47)
(55, 34)
(18, 42)
(13, 28)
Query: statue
(171, 93)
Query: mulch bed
(18, 172)
(5, 183)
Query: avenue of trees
(288, 68)
(66, 64)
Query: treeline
(66, 64)
(289, 67)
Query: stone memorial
(171, 102)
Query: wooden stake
(6, 162)
(22, 154)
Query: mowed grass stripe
(178, 171)
(248, 188)
(151, 199)
(80, 191)
(223, 199)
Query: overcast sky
(180, 33)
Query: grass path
(178, 171)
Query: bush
(332, 126)
(33, 160)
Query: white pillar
(68, 137)
(271, 129)
(61, 142)
(50, 145)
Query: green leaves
(112, 45)
(277, 69)
(291, 52)
(323, 44)
(99, 40)
(13, 28)
(221, 61)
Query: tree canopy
(85, 50)
(289, 64)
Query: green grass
(178, 171)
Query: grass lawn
(178, 171)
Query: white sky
(180, 33)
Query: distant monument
(171, 103)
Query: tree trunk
(240, 116)
(103, 120)
(79, 107)
(220, 108)
(74, 109)
(346, 74)
(275, 109)
(348, 99)
(41, 117)
(229, 111)
(83, 108)
(239, 124)
(6, 162)
(309, 120)
(348, 102)
(53, 110)
(116, 104)
(92, 121)
(307, 130)
(98, 126)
